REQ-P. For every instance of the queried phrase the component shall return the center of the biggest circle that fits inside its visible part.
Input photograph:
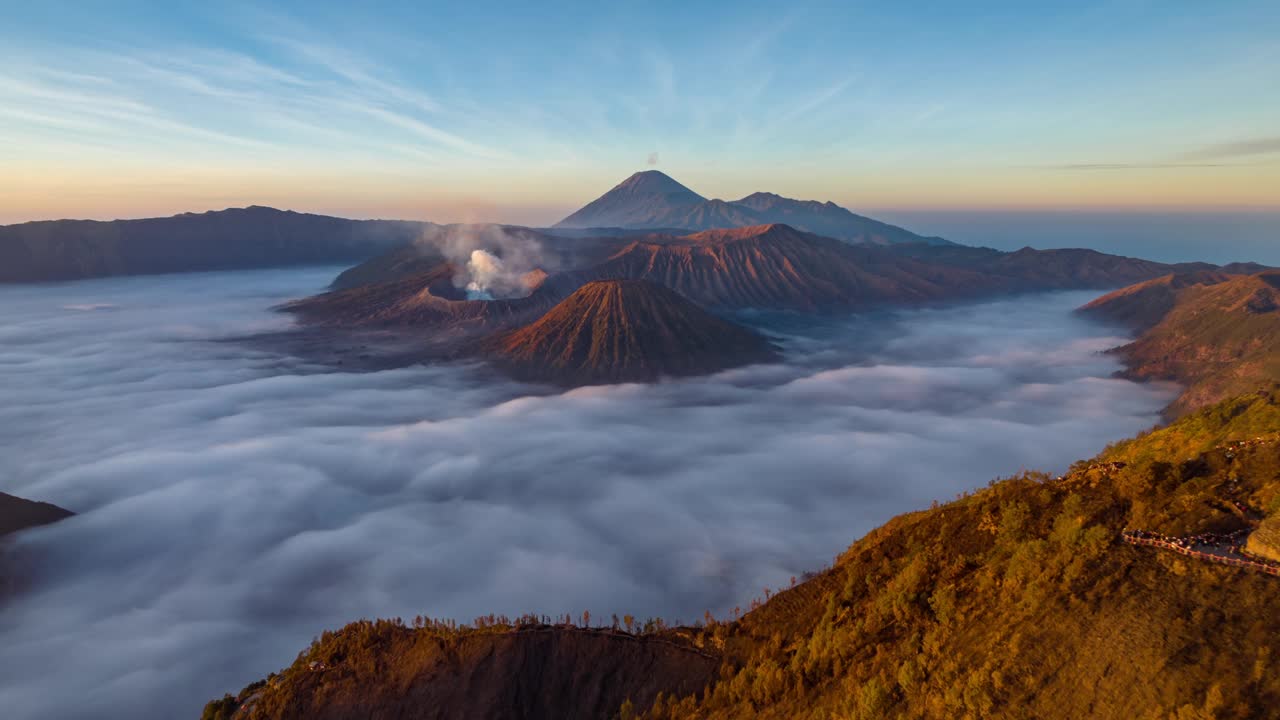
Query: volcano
(778, 267)
(625, 331)
(641, 200)
(652, 199)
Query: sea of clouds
(234, 502)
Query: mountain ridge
(1217, 336)
(652, 199)
(230, 239)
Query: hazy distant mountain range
(239, 238)
(257, 237)
(651, 199)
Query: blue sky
(520, 113)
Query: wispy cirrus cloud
(1128, 166)
(1237, 148)
(1226, 154)
(307, 100)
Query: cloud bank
(234, 503)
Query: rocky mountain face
(625, 331)
(1216, 336)
(239, 238)
(779, 267)
(1019, 595)
(651, 199)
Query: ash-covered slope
(625, 331)
(767, 267)
(779, 267)
(17, 514)
(429, 299)
(1217, 339)
(238, 238)
(511, 243)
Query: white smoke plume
(485, 270)
(493, 261)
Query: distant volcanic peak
(625, 331)
(643, 200)
(655, 182)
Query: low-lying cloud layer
(235, 503)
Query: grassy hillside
(1218, 338)
(1016, 601)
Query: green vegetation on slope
(1015, 601)
(1217, 337)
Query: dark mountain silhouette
(905, 622)
(651, 199)
(625, 331)
(829, 219)
(1054, 269)
(19, 514)
(238, 238)
(1217, 337)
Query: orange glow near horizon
(526, 198)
